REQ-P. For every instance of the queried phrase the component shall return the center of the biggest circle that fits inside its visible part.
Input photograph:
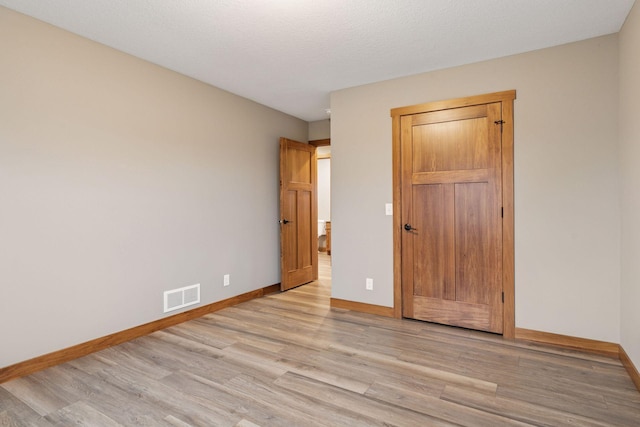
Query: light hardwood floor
(289, 360)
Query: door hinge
(503, 297)
(502, 212)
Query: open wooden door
(452, 215)
(298, 214)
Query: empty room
(163, 167)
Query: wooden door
(298, 214)
(451, 184)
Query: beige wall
(630, 174)
(320, 129)
(567, 215)
(119, 180)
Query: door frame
(506, 99)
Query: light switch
(388, 209)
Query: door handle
(408, 227)
(284, 221)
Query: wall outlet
(226, 281)
(369, 284)
(388, 209)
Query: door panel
(435, 268)
(299, 165)
(289, 238)
(432, 149)
(475, 237)
(298, 213)
(305, 232)
(451, 196)
(450, 312)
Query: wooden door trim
(506, 99)
(508, 242)
(320, 142)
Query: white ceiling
(290, 54)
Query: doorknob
(285, 221)
(408, 227)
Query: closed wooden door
(451, 183)
(298, 214)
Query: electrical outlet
(226, 281)
(369, 284)
(388, 209)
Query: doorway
(453, 221)
(323, 154)
(304, 193)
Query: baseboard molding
(592, 346)
(630, 367)
(61, 356)
(362, 307)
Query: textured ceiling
(290, 54)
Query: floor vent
(182, 297)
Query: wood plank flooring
(289, 360)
